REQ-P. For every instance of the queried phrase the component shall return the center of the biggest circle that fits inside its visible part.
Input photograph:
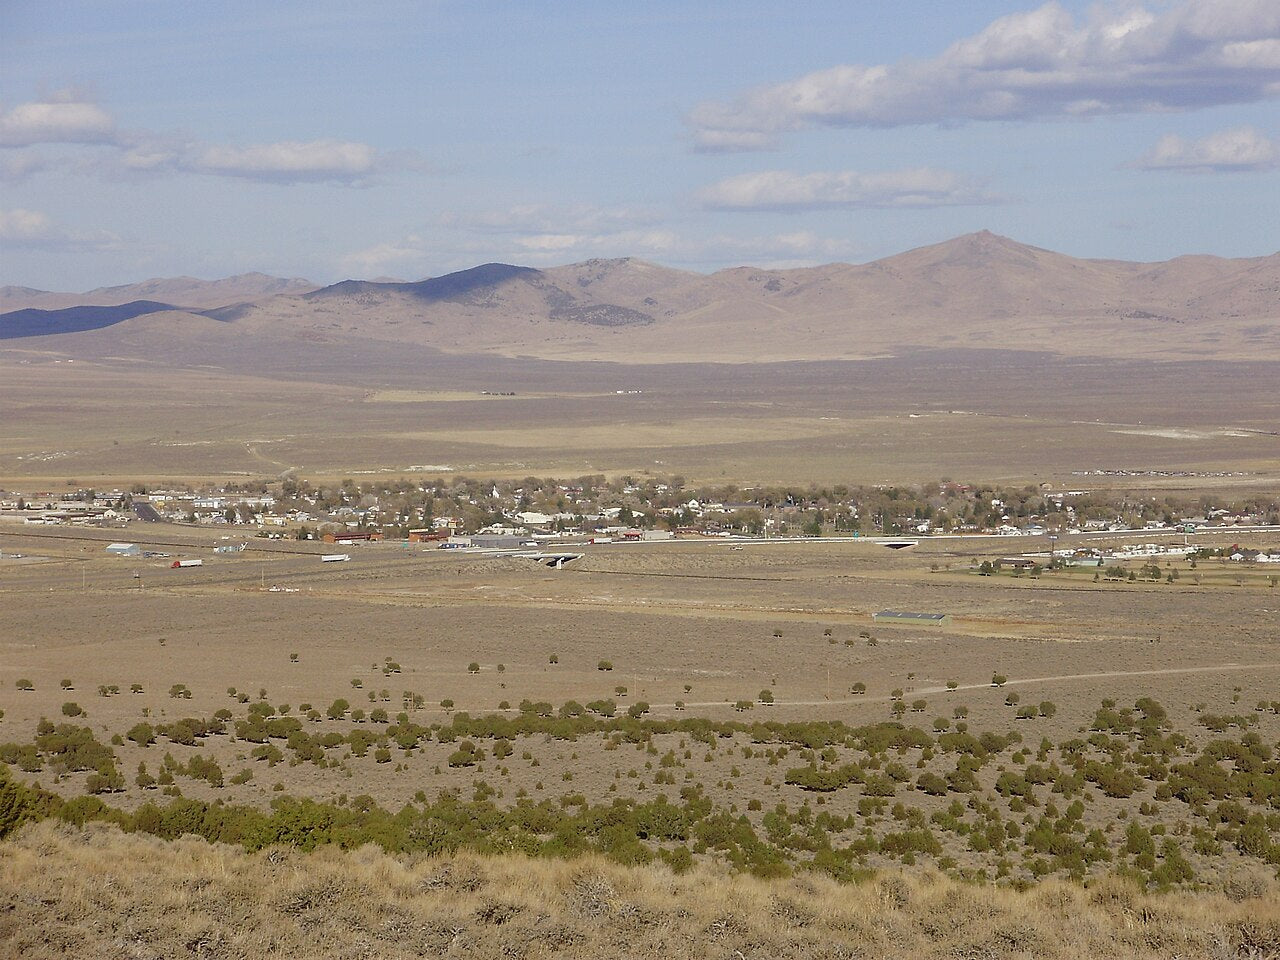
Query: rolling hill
(979, 290)
(177, 291)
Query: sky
(410, 138)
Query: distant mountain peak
(450, 286)
(981, 289)
(986, 240)
(486, 273)
(980, 250)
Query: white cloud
(620, 243)
(151, 154)
(62, 118)
(20, 164)
(544, 234)
(784, 190)
(21, 225)
(33, 228)
(380, 258)
(543, 218)
(289, 160)
(1242, 149)
(547, 242)
(713, 140)
(68, 118)
(778, 250)
(1036, 64)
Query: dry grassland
(99, 893)
(980, 416)
(693, 624)
(663, 615)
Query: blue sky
(144, 138)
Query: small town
(459, 513)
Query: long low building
(909, 618)
(366, 537)
(427, 535)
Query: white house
(532, 519)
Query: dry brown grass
(974, 416)
(666, 616)
(95, 892)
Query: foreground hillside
(97, 892)
(975, 291)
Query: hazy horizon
(415, 139)
(138, 281)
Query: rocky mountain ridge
(979, 290)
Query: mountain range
(174, 291)
(979, 291)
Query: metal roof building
(124, 550)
